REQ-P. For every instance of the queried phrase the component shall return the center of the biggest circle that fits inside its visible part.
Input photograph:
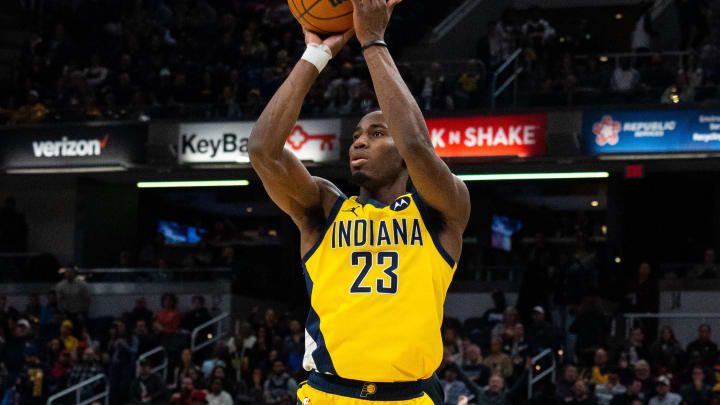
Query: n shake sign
(78, 145)
(227, 142)
(503, 135)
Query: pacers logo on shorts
(368, 389)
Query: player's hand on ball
(371, 17)
(335, 42)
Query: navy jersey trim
(435, 238)
(320, 355)
(331, 217)
(373, 202)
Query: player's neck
(384, 194)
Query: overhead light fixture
(54, 170)
(594, 203)
(189, 184)
(603, 59)
(618, 260)
(533, 176)
(618, 16)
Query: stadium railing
(210, 332)
(78, 388)
(162, 367)
(533, 378)
(496, 90)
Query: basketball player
(377, 265)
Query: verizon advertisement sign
(72, 145)
(504, 135)
(227, 142)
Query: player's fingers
(348, 34)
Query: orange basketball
(323, 16)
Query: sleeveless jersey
(377, 280)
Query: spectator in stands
(182, 369)
(580, 395)
(13, 229)
(703, 350)
(140, 312)
(122, 349)
(566, 384)
(144, 338)
(182, 395)
(604, 392)
(279, 386)
(66, 335)
(148, 388)
(697, 392)
(53, 350)
(540, 332)
(634, 393)
(500, 42)
(498, 361)
(642, 373)
(642, 294)
(636, 347)
(84, 370)
(664, 396)
(591, 327)
(496, 392)
(679, 92)
(167, 319)
(707, 270)
(255, 390)
(228, 382)
(643, 33)
(197, 316)
(435, 94)
(470, 85)
(30, 112)
(61, 368)
(625, 78)
(666, 351)
(73, 296)
(506, 329)
(294, 346)
(518, 348)
(495, 315)
(35, 377)
(32, 309)
(452, 387)
(598, 372)
(537, 29)
(218, 396)
(49, 311)
(473, 367)
(218, 359)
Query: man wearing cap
(73, 297)
(13, 356)
(664, 396)
(70, 341)
(539, 332)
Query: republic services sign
(227, 142)
(502, 135)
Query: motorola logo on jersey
(400, 204)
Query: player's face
(374, 159)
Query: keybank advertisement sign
(651, 131)
(72, 145)
(226, 142)
(502, 135)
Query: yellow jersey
(377, 280)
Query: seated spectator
(473, 367)
(664, 396)
(505, 329)
(581, 395)
(218, 359)
(625, 78)
(198, 397)
(496, 393)
(498, 361)
(518, 349)
(182, 395)
(679, 92)
(702, 350)
(228, 383)
(217, 396)
(122, 350)
(697, 392)
(69, 341)
(30, 112)
(567, 382)
(452, 387)
(470, 85)
(597, 373)
(254, 393)
(294, 346)
(495, 315)
(539, 332)
(148, 388)
(167, 319)
(707, 270)
(87, 368)
(197, 316)
(35, 377)
(279, 386)
(666, 351)
(642, 373)
(182, 369)
(634, 393)
(605, 392)
(635, 347)
(140, 312)
(144, 339)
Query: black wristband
(377, 42)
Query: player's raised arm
(286, 180)
(430, 175)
